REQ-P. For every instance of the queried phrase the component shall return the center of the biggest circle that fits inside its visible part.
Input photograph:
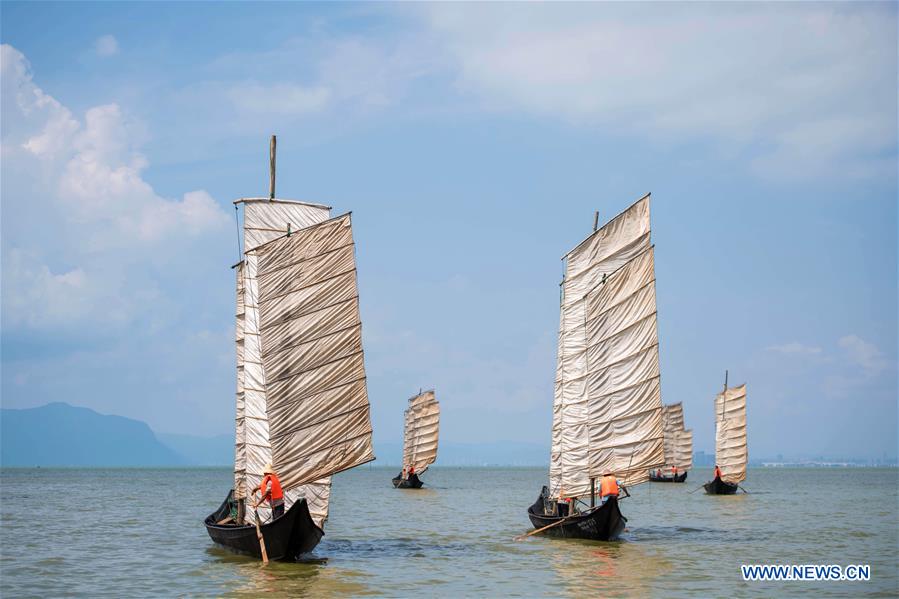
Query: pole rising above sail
(607, 402)
(421, 430)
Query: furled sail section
(240, 437)
(265, 220)
(731, 452)
(422, 423)
(311, 331)
(625, 404)
(595, 372)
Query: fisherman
(674, 471)
(609, 487)
(404, 473)
(717, 471)
(658, 473)
(411, 470)
(274, 494)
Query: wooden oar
(744, 490)
(696, 489)
(261, 539)
(533, 532)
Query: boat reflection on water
(244, 576)
(587, 569)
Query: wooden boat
(291, 535)
(731, 451)
(302, 399)
(410, 482)
(421, 428)
(600, 523)
(677, 446)
(607, 401)
(667, 479)
(719, 487)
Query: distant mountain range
(59, 434)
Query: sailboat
(302, 400)
(420, 432)
(731, 451)
(607, 407)
(677, 446)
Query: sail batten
(421, 427)
(607, 398)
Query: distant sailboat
(302, 400)
(731, 451)
(420, 433)
(677, 445)
(607, 408)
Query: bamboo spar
(273, 147)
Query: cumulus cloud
(82, 179)
(106, 45)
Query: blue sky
(473, 143)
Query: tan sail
(731, 452)
(421, 431)
(606, 405)
(311, 332)
(264, 220)
(678, 442)
(682, 457)
(625, 403)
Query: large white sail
(265, 220)
(625, 402)
(602, 374)
(731, 452)
(421, 430)
(311, 331)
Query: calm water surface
(139, 532)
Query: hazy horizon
(473, 143)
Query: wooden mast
(273, 146)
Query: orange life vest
(717, 472)
(276, 493)
(608, 486)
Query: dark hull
(289, 536)
(603, 523)
(413, 482)
(668, 479)
(719, 487)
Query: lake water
(139, 532)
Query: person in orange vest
(411, 470)
(717, 471)
(609, 487)
(270, 488)
(674, 470)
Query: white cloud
(279, 98)
(864, 354)
(805, 90)
(795, 348)
(106, 45)
(81, 181)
